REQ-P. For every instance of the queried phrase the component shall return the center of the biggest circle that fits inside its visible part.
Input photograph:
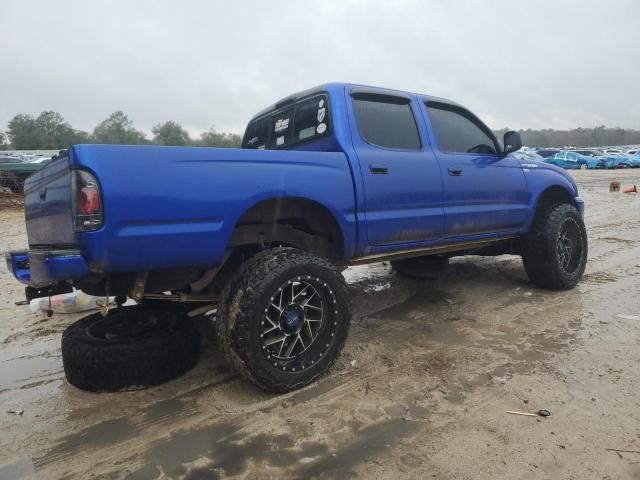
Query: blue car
(573, 160)
(619, 160)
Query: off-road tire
(95, 363)
(242, 310)
(541, 254)
(431, 266)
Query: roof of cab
(352, 88)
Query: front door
(484, 191)
(401, 176)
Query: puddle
(24, 365)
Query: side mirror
(512, 142)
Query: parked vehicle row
(15, 168)
(587, 158)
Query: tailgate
(48, 205)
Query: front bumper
(43, 267)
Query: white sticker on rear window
(322, 128)
(280, 140)
(306, 133)
(281, 124)
(321, 114)
(321, 103)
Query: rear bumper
(42, 267)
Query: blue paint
(176, 207)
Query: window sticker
(281, 124)
(261, 147)
(322, 128)
(252, 141)
(306, 133)
(321, 103)
(280, 139)
(321, 114)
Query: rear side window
(304, 121)
(386, 121)
(257, 134)
(311, 119)
(282, 129)
(458, 131)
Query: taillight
(87, 204)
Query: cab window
(386, 121)
(458, 131)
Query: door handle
(378, 169)
(455, 172)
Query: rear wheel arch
(293, 221)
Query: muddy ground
(420, 392)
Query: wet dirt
(421, 390)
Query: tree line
(50, 131)
(577, 137)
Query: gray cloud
(519, 64)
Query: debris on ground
(539, 413)
(628, 317)
(630, 189)
(15, 411)
(73, 302)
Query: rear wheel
(284, 319)
(555, 252)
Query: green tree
(55, 133)
(215, 139)
(22, 132)
(170, 133)
(118, 129)
(3, 141)
(47, 131)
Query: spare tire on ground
(129, 349)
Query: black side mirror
(512, 142)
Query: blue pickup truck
(333, 176)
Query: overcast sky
(517, 64)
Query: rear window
(282, 128)
(306, 120)
(386, 121)
(257, 134)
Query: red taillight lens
(87, 205)
(89, 201)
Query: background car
(547, 152)
(590, 152)
(573, 160)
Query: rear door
(401, 176)
(484, 192)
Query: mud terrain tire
(129, 349)
(277, 296)
(431, 266)
(555, 251)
